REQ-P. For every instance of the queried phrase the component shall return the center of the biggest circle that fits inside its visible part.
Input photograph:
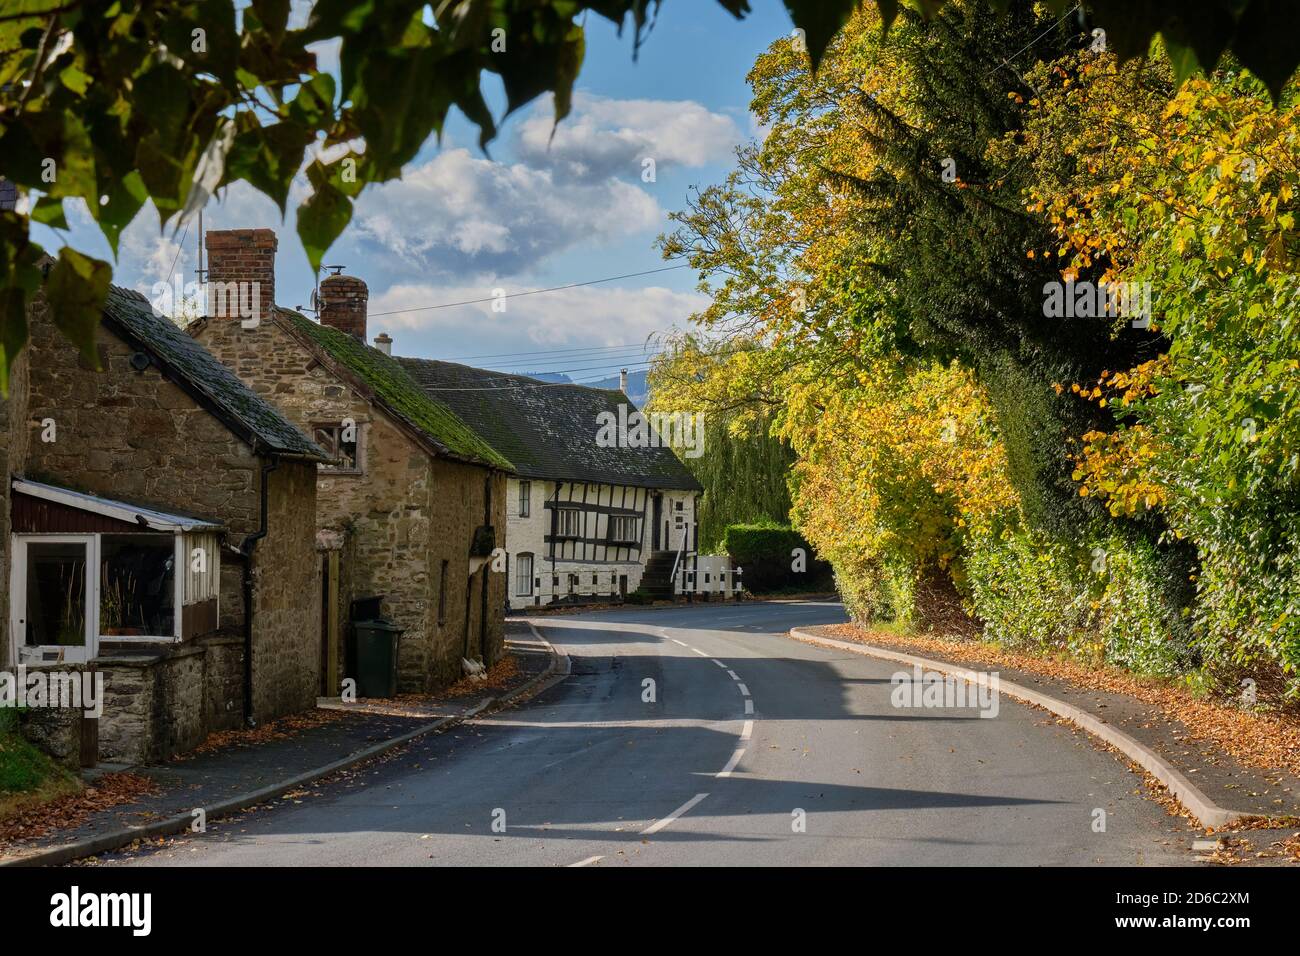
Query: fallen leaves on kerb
(71, 810)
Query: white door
(54, 609)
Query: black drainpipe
(246, 549)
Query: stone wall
(13, 452)
(403, 516)
(223, 682)
(286, 597)
(162, 702)
(53, 729)
(456, 509)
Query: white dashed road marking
(726, 771)
(684, 808)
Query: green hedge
(1101, 598)
(766, 555)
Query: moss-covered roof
(399, 394)
(549, 430)
(198, 371)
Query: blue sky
(537, 213)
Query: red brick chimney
(343, 302)
(245, 257)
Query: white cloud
(581, 317)
(459, 214)
(604, 137)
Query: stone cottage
(158, 524)
(416, 501)
(588, 519)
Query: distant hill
(638, 389)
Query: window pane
(137, 594)
(524, 574)
(325, 436)
(347, 450)
(56, 593)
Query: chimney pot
(343, 302)
(246, 258)
(384, 342)
(622, 381)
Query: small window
(442, 594)
(569, 523)
(340, 441)
(525, 495)
(622, 528)
(524, 574)
(680, 505)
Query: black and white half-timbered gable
(587, 518)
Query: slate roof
(396, 392)
(547, 430)
(195, 369)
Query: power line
(1007, 61)
(520, 385)
(584, 348)
(540, 365)
(635, 367)
(515, 295)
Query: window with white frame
(525, 498)
(623, 528)
(524, 574)
(568, 523)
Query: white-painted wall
(598, 565)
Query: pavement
(704, 735)
(246, 771)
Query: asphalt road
(747, 749)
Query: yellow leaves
(1116, 467)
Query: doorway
(54, 598)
